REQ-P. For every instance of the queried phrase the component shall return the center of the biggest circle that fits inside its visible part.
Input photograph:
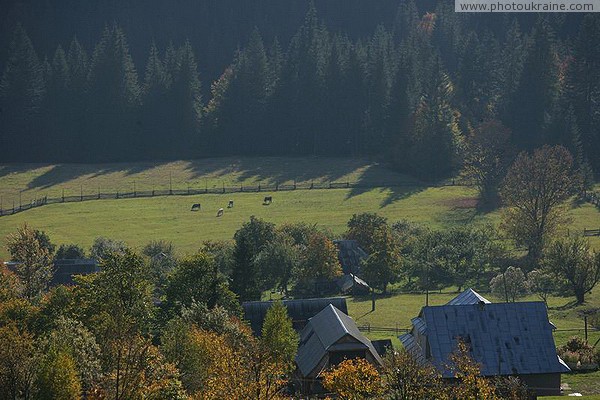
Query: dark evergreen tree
(536, 93)
(22, 91)
(185, 103)
(114, 96)
(584, 86)
(155, 115)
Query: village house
(506, 339)
(329, 338)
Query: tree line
(427, 92)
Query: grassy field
(138, 221)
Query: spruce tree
(22, 91)
(536, 93)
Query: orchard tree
(34, 268)
(69, 252)
(572, 260)
(384, 264)
(509, 285)
(533, 191)
(361, 227)
(470, 384)
(277, 261)
(319, 263)
(542, 283)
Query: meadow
(137, 221)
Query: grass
(138, 221)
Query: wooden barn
(506, 339)
(330, 337)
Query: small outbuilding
(64, 270)
(350, 255)
(329, 338)
(506, 339)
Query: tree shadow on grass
(565, 307)
(18, 168)
(62, 173)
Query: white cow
(220, 212)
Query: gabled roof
(350, 281)
(505, 338)
(413, 348)
(299, 310)
(322, 334)
(469, 296)
(350, 255)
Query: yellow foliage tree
(354, 379)
(471, 385)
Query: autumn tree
(572, 260)
(277, 260)
(405, 378)
(319, 263)
(353, 379)
(487, 158)
(18, 361)
(509, 285)
(34, 268)
(470, 384)
(279, 336)
(57, 377)
(533, 191)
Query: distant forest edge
(411, 84)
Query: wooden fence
(189, 191)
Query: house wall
(543, 384)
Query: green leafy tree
(542, 283)
(103, 247)
(247, 280)
(278, 335)
(487, 158)
(533, 192)
(278, 260)
(18, 363)
(362, 228)
(35, 268)
(510, 285)
(383, 266)
(69, 252)
(572, 260)
(197, 278)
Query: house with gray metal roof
(299, 310)
(506, 339)
(329, 338)
(350, 255)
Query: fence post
(259, 187)
(223, 183)
(63, 195)
(98, 192)
(188, 185)
(117, 194)
(134, 191)
(277, 187)
(81, 193)
(294, 184)
(586, 328)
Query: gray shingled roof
(321, 335)
(350, 255)
(299, 310)
(469, 296)
(505, 338)
(412, 347)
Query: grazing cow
(230, 205)
(268, 200)
(196, 207)
(220, 212)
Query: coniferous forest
(407, 81)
